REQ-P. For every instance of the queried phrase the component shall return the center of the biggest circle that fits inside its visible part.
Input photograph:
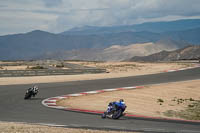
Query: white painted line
(75, 95)
(51, 125)
(91, 92)
(60, 97)
(182, 69)
(77, 125)
(45, 124)
(51, 100)
(130, 87)
(171, 70)
(58, 107)
(109, 89)
(43, 102)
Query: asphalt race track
(14, 108)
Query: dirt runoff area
(170, 100)
(114, 70)
(10, 127)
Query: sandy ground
(115, 69)
(25, 128)
(139, 101)
(134, 67)
(24, 67)
(142, 101)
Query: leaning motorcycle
(31, 92)
(114, 113)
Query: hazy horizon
(57, 16)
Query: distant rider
(34, 90)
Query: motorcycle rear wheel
(117, 114)
(103, 116)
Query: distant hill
(29, 45)
(156, 27)
(113, 53)
(187, 53)
(33, 44)
(170, 26)
(191, 36)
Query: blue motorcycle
(115, 110)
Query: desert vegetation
(191, 110)
(36, 67)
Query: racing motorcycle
(31, 92)
(114, 111)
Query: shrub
(160, 101)
(37, 67)
(59, 66)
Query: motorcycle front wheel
(27, 95)
(103, 116)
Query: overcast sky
(19, 16)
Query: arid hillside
(113, 53)
(187, 53)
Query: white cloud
(122, 12)
(60, 15)
(52, 3)
(24, 21)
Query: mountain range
(112, 53)
(186, 53)
(39, 44)
(155, 27)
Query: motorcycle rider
(34, 90)
(116, 105)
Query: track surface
(14, 108)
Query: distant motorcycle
(115, 110)
(31, 92)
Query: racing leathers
(34, 90)
(115, 106)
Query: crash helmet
(121, 100)
(35, 87)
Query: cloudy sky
(19, 16)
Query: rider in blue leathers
(116, 105)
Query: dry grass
(10, 127)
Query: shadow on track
(32, 99)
